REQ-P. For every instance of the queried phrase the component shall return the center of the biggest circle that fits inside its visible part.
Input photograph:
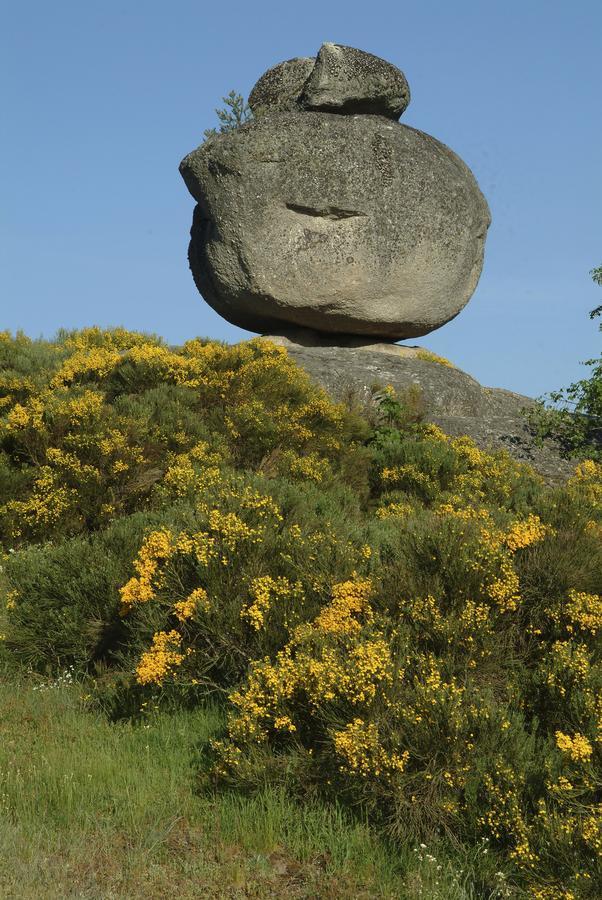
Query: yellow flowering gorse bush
(391, 617)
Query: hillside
(385, 619)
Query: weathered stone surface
(451, 399)
(340, 223)
(352, 81)
(280, 88)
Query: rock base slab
(450, 398)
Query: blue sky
(101, 101)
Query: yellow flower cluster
(503, 816)
(424, 611)
(163, 657)
(284, 723)
(318, 409)
(524, 534)
(469, 452)
(83, 407)
(86, 362)
(429, 429)
(577, 748)
(321, 661)
(119, 452)
(567, 663)
(429, 356)
(69, 464)
(462, 512)
(227, 531)
(591, 830)
(359, 747)
(28, 416)
(74, 408)
(504, 591)
(407, 474)
(156, 548)
(115, 339)
(394, 511)
(433, 690)
(231, 530)
(197, 470)
(49, 500)
(185, 609)
(264, 591)
(348, 609)
(492, 559)
(587, 481)
(549, 892)
(584, 610)
(262, 505)
(371, 669)
(310, 466)
(475, 618)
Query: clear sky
(100, 101)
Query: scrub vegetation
(354, 655)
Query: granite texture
(351, 224)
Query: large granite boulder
(340, 221)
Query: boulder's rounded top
(340, 79)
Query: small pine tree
(234, 113)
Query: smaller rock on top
(340, 79)
(352, 81)
(280, 88)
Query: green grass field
(98, 810)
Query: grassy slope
(90, 809)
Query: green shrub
(63, 599)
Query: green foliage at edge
(572, 416)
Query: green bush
(63, 599)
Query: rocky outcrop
(326, 213)
(455, 401)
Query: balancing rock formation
(325, 213)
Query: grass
(91, 809)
